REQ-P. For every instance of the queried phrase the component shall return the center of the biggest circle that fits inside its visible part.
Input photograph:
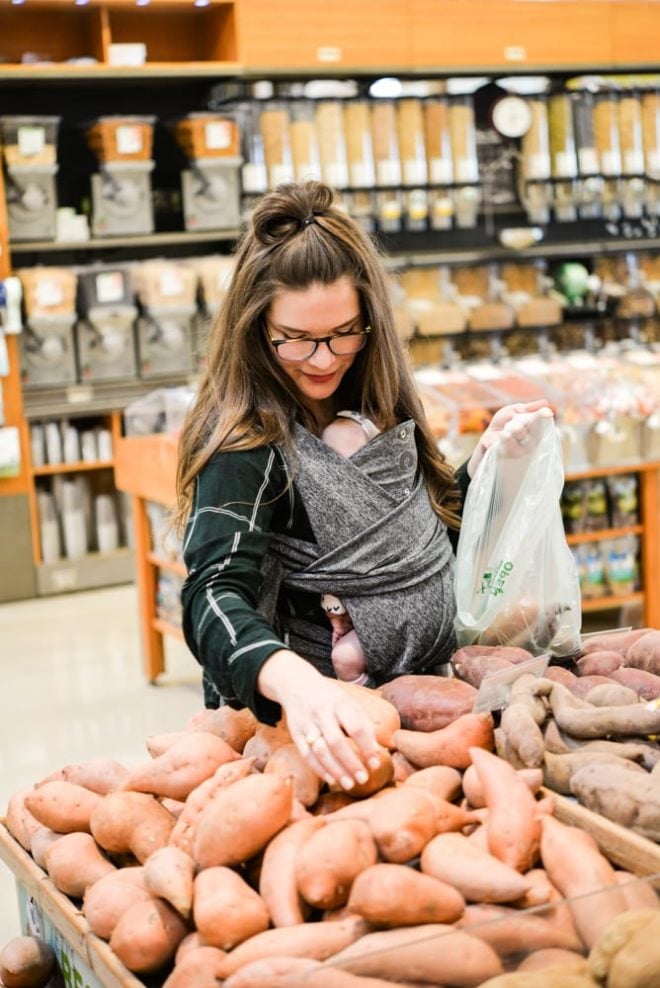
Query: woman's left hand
(516, 425)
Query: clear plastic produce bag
(516, 578)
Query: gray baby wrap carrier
(380, 548)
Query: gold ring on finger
(312, 738)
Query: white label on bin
(565, 164)
(49, 292)
(538, 165)
(336, 174)
(255, 178)
(171, 282)
(611, 162)
(109, 287)
(362, 174)
(467, 170)
(388, 172)
(515, 53)
(653, 162)
(633, 162)
(280, 173)
(414, 172)
(441, 171)
(128, 139)
(588, 159)
(31, 140)
(329, 53)
(217, 135)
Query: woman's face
(312, 313)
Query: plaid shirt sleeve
(239, 497)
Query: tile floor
(73, 689)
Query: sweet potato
(183, 832)
(473, 663)
(585, 684)
(241, 819)
(573, 974)
(615, 641)
(540, 891)
(611, 695)
(550, 957)
(236, 727)
(403, 822)
(147, 935)
(433, 953)
(558, 674)
(645, 653)
(168, 874)
(523, 735)
(532, 777)
(637, 963)
(330, 859)
(298, 972)
(577, 869)
(383, 715)
(403, 769)
(101, 775)
(316, 941)
(586, 721)
(629, 798)
(226, 910)
(265, 741)
(198, 968)
(42, 839)
(75, 862)
(441, 780)
(512, 933)
(478, 875)
(26, 962)
(62, 806)
(395, 895)
(513, 828)
(639, 893)
(181, 768)
(448, 746)
(132, 822)
(287, 761)
(277, 880)
(20, 822)
(645, 684)
(429, 703)
(559, 769)
(377, 777)
(601, 663)
(106, 901)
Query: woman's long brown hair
(244, 400)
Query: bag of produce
(516, 580)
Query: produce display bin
(84, 960)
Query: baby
(348, 433)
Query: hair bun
(286, 211)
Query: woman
(275, 518)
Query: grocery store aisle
(73, 689)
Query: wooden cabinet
(514, 33)
(311, 33)
(635, 33)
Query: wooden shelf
(172, 565)
(611, 603)
(613, 470)
(108, 243)
(78, 467)
(63, 72)
(167, 628)
(607, 533)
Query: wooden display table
(145, 467)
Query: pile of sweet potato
(224, 860)
(592, 730)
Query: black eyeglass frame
(323, 339)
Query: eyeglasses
(341, 345)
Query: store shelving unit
(191, 48)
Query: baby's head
(345, 436)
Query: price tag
(110, 287)
(218, 135)
(31, 140)
(128, 139)
(79, 394)
(495, 690)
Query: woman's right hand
(321, 717)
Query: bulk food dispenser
(121, 189)
(167, 294)
(210, 186)
(213, 275)
(47, 348)
(30, 158)
(105, 330)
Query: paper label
(495, 689)
(109, 287)
(610, 162)
(49, 292)
(537, 166)
(414, 172)
(10, 452)
(171, 282)
(36, 922)
(279, 174)
(441, 172)
(633, 162)
(329, 53)
(388, 172)
(217, 135)
(128, 139)
(336, 174)
(255, 178)
(565, 164)
(467, 170)
(653, 161)
(363, 174)
(31, 140)
(588, 161)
